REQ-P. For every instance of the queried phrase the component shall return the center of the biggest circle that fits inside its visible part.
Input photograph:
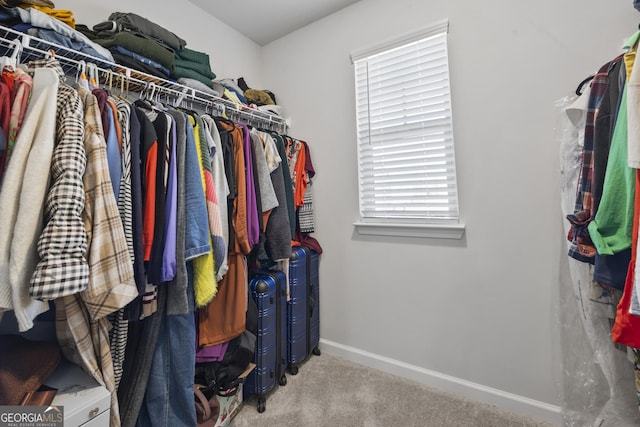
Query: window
(406, 161)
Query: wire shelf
(28, 48)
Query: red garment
(626, 329)
(102, 97)
(301, 175)
(9, 79)
(149, 208)
(5, 114)
(308, 164)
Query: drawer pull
(94, 412)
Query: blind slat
(407, 66)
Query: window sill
(433, 231)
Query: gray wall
(476, 310)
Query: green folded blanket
(138, 44)
(196, 61)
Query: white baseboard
(509, 401)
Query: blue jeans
(168, 400)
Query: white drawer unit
(86, 403)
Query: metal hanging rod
(25, 48)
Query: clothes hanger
(582, 83)
(120, 79)
(81, 75)
(146, 98)
(93, 76)
(10, 62)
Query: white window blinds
(405, 139)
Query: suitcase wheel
(317, 351)
(283, 380)
(262, 404)
(293, 369)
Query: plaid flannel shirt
(582, 248)
(82, 326)
(63, 269)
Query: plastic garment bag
(597, 385)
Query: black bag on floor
(222, 377)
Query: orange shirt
(301, 175)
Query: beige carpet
(333, 392)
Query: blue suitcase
(269, 292)
(303, 314)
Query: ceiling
(265, 21)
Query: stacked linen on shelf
(255, 96)
(138, 43)
(143, 45)
(240, 93)
(133, 50)
(39, 24)
(65, 16)
(145, 28)
(44, 6)
(194, 65)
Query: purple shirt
(171, 209)
(211, 354)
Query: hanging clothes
(133, 311)
(582, 248)
(23, 84)
(224, 318)
(215, 221)
(288, 182)
(177, 292)
(222, 192)
(610, 270)
(610, 230)
(111, 270)
(204, 269)
(306, 220)
(22, 205)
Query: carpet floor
(332, 392)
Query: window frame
(447, 228)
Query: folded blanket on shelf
(258, 97)
(140, 58)
(194, 60)
(44, 21)
(13, 3)
(238, 95)
(138, 44)
(231, 84)
(198, 85)
(134, 64)
(65, 16)
(179, 72)
(55, 37)
(136, 23)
